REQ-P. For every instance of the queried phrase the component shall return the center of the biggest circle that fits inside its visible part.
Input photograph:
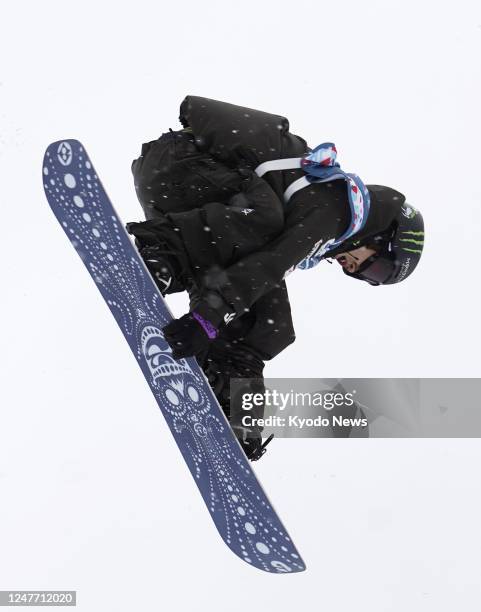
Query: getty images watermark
(276, 403)
(359, 407)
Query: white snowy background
(93, 493)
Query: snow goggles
(376, 270)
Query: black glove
(189, 336)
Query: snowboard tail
(243, 515)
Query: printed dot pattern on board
(239, 507)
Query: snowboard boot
(161, 263)
(224, 363)
(161, 259)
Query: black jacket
(252, 239)
(243, 138)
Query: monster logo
(412, 242)
(158, 356)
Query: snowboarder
(234, 202)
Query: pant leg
(220, 213)
(272, 329)
(241, 349)
(222, 232)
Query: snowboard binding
(159, 257)
(254, 448)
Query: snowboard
(241, 511)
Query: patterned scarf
(321, 166)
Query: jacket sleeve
(233, 290)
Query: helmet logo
(408, 211)
(404, 269)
